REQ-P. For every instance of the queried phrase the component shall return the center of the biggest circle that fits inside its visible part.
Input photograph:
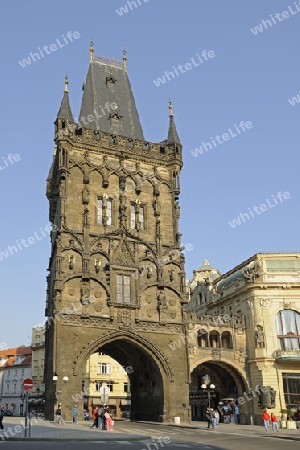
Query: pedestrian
(266, 418)
(1, 416)
(217, 416)
(75, 414)
(236, 413)
(208, 417)
(58, 414)
(274, 423)
(101, 418)
(108, 421)
(95, 416)
(213, 419)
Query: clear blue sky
(250, 78)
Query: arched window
(226, 340)
(288, 329)
(202, 298)
(202, 338)
(214, 339)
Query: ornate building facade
(244, 333)
(116, 280)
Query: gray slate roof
(109, 83)
(65, 109)
(173, 137)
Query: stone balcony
(287, 355)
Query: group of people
(102, 418)
(266, 417)
(101, 414)
(213, 418)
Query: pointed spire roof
(173, 137)
(108, 103)
(65, 109)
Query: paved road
(148, 436)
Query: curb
(87, 439)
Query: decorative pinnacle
(124, 57)
(91, 50)
(170, 108)
(66, 83)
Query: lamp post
(209, 389)
(22, 397)
(55, 379)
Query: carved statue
(273, 398)
(161, 299)
(156, 207)
(259, 337)
(86, 178)
(85, 195)
(105, 177)
(177, 209)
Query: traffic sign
(28, 384)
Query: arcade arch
(228, 381)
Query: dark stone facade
(116, 280)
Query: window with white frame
(110, 385)
(288, 329)
(137, 216)
(104, 368)
(104, 208)
(123, 289)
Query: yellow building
(244, 337)
(105, 381)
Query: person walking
(108, 421)
(101, 418)
(208, 417)
(58, 414)
(1, 416)
(75, 414)
(266, 418)
(213, 419)
(274, 423)
(95, 416)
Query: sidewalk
(44, 430)
(246, 430)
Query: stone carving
(251, 273)
(156, 207)
(266, 397)
(259, 337)
(104, 177)
(85, 195)
(124, 317)
(161, 299)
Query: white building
(15, 367)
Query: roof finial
(124, 57)
(66, 83)
(170, 108)
(91, 49)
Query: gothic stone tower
(116, 280)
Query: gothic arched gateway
(116, 272)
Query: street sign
(28, 384)
(105, 390)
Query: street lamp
(209, 390)
(55, 379)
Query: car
(7, 412)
